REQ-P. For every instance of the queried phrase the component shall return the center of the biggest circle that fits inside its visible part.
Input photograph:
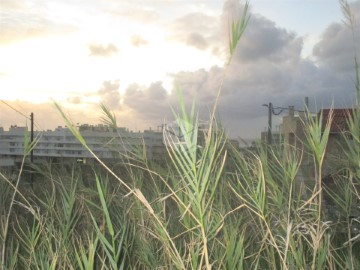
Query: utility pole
(277, 111)
(31, 145)
(31, 136)
(269, 131)
(271, 111)
(270, 124)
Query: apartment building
(293, 129)
(293, 134)
(60, 144)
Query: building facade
(60, 144)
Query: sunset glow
(130, 54)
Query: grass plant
(209, 206)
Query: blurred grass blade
(237, 28)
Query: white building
(105, 142)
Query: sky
(132, 55)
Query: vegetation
(210, 206)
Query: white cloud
(268, 65)
(101, 50)
(110, 95)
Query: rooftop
(339, 121)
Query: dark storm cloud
(263, 69)
(152, 105)
(263, 39)
(101, 50)
(335, 50)
(332, 51)
(147, 102)
(201, 84)
(110, 95)
(267, 67)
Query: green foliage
(209, 206)
(317, 136)
(237, 29)
(108, 118)
(86, 258)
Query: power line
(16, 110)
(271, 111)
(37, 125)
(283, 108)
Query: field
(209, 205)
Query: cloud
(197, 21)
(267, 67)
(147, 101)
(197, 30)
(12, 4)
(103, 51)
(74, 100)
(138, 41)
(13, 30)
(22, 20)
(46, 115)
(137, 15)
(197, 40)
(110, 95)
(336, 49)
(262, 39)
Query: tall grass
(208, 206)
